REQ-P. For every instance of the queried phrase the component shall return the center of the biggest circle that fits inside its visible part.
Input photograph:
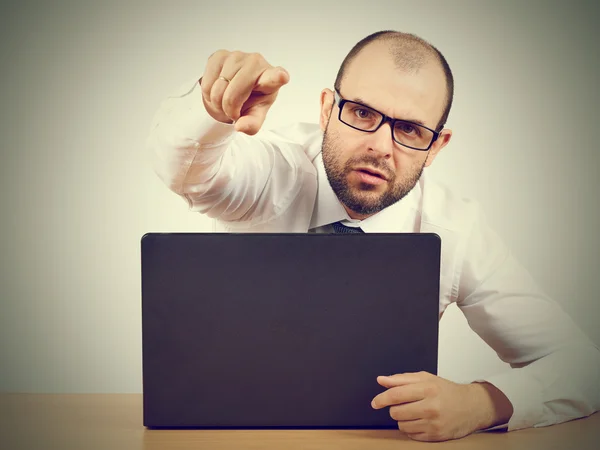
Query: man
(362, 170)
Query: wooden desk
(113, 421)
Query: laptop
(283, 330)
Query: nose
(382, 142)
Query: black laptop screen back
(285, 330)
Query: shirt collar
(399, 217)
(328, 208)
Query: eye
(363, 113)
(408, 129)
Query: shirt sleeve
(224, 174)
(555, 367)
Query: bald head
(409, 53)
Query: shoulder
(447, 208)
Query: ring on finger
(221, 77)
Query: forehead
(374, 77)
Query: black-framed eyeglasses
(364, 118)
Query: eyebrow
(361, 101)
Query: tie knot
(341, 228)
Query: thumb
(252, 119)
(272, 79)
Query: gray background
(80, 82)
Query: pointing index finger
(272, 79)
(401, 379)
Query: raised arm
(203, 147)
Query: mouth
(368, 176)
(372, 172)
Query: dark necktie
(340, 228)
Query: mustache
(373, 161)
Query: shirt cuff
(194, 122)
(525, 395)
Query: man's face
(370, 171)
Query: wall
(81, 81)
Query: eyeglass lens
(367, 119)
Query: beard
(364, 199)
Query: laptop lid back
(283, 330)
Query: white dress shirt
(275, 182)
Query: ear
(442, 140)
(327, 100)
